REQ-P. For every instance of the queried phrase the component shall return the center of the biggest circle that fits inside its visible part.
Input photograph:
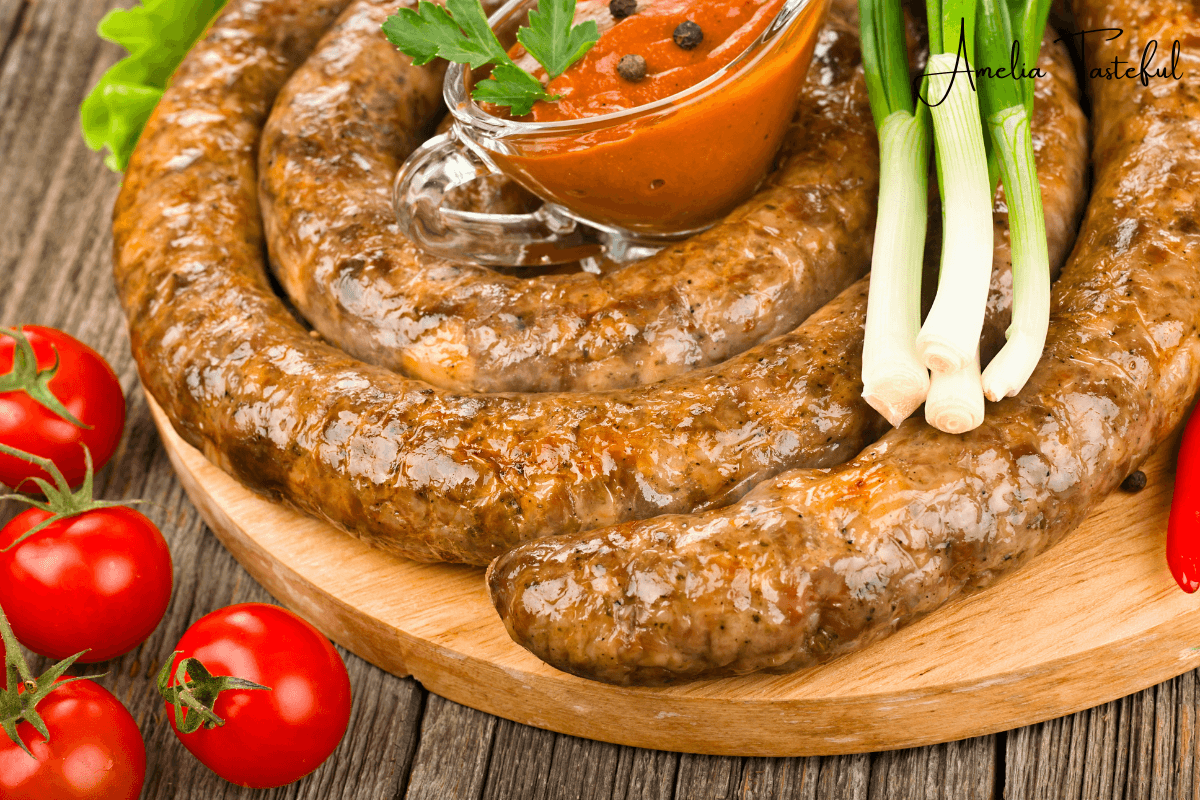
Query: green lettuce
(157, 34)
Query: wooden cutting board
(1096, 618)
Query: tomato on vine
(260, 696)
(81, 574)
(56, 394)
(64, 738)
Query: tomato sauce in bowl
(667, 155)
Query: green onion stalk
(1007, 104)
(895, 382)
(949, 340)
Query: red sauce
(679, 168)
(591, 86)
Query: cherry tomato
(85, 385)
(99, 582)
(95, 751)
(270, 738)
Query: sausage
(419, 472)
(817, 563)
(330, 226)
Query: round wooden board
(1096, 618)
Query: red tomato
(85, 384)
(95, 751)
(99, 582)
(270, 738)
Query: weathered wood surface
(55, 198)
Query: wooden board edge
(636, 717)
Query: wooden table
(55, 202)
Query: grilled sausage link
(428, 474)
(816, 563)
(803, 238)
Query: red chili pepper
(1183, 529)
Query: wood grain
(55, 200)
(452, 760)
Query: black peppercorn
(1135, 482)
(688, 35)
(620, 9)
(632, 68)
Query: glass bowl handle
(446, 162)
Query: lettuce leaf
(157, 34)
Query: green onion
(955, 403)
(949, 340)
(1029, 19)
(982, 137)
(1008, 108)
(950, 336)
(894, 380)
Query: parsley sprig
(459, 32)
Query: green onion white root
(955, 402)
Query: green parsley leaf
(157, 34)
(470, 16)
(457, 33)
(412, 32)
(553, 40)
(511, 86)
